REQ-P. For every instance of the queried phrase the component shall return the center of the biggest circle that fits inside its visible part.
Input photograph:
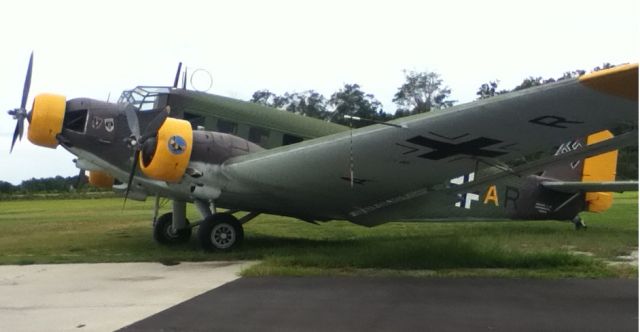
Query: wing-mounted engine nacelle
(46, 119)
(100, 179)
(167, 156)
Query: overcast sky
(93, 48)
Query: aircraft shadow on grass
(400, 253)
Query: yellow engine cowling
(172, 152)
(100, 179)
(47, 116)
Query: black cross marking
(553, 121)
(449, 138)
(411, 149)
(443, 150)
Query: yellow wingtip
(621, 81)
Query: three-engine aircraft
(472, 161)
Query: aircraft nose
(46, 119)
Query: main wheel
(164, 233)
(222, 232)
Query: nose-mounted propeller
(19, 114)
(142, 144)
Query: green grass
(63, 231)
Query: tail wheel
(220, 232)
(164, 233)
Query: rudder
(599, 168)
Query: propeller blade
(175, 81)
(134, 166)
(148, 150)
(27, 83)
(154, 126)
(20, 125)
(16, 133)
(132, 120)
(21, 113)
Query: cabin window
(76, 120)
(227, 127)
(258, 135)
(290, 139)
(195, 120)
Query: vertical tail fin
(599, 168)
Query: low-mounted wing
(365, 171)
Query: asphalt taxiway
(209, 296)
(405, 304)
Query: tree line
(57, 184)
(421, 92)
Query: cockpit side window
(76, 121)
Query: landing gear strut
(172, 228)
(216, 232)
(579, 223)
(164, 233)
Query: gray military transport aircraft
(472, 161)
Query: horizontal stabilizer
(576, 186)
(539, 165)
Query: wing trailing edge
(579, 186)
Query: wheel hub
(223, 236)
(171, 233)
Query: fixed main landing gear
(579, 223)
(172, 228)
(216, 232)
(164, 233)
(220, 232)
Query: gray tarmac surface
(405, 304)
(100, 297)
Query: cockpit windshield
(145, 98)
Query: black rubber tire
(220, 232)
(579, 223)
(163, 233)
